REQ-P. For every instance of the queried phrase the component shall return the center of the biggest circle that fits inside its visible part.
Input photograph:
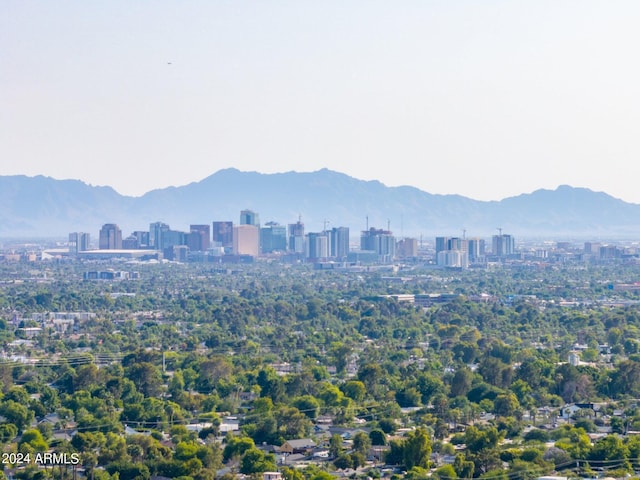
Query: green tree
(481, 439)
(330, 395)
(610, 447)
(335, 445)
(343, 462)
(495, 372)
(256, 461)
(395, 454)
(8, 431)
(446, 472)
(114, 449)
(578, 444)
(236, 446)
(16, 413)
(355, 390)
(292, 423)
(625, 379)
(308, 405)
(33, 440)
(482, 447)
(377, 437)
(461, 381)
(362, 443)
(408, 397)
(463, 468)
(506, 405)
(417, 449)
(271, 385)
(128, 470)
(417, 473)
(292, 474)
(146, 377)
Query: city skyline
(291, 243)
(486, 101)
(329, 248)
(33, 206)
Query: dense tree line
(191, 340)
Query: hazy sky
(487, 98)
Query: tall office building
(130, 243)
(110, 237)
(156, 233)
(503, 245)
(171, 238)
(142, 237)
(296, 237)
(382, 242)
(476, 247)
(246, 240)
(273, 238)
(452, 252)
(339, 242)
(223, 234)
(407, 248)
(162, 238)
(177, 253)
(318, 247)
(199, 239)
(442, 244)
(367, 239)
(457, 243)
(78, 242)
(249, 217)
(592, 248)
(608, 252)
(453, 259)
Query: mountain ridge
(41, 205)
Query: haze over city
(486, 100)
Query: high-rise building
(452, 252)
(142, 237)
(318, 247)
(79, 242)
(407, 248)
(199, 239)
(223, 234)
(453, 259)
(110, 237)
(503, 245)
(339, 242)
(156, 233)
(273, 238)
(246, 240)
(177, 253)
(592, 248)
(442, 244)
(380, 241)
(171, 238)
(608, 252)
(249, 217)
(296, 237)
(162, 238)
(457, 243)
(476, 248)
(130, 243)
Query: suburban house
(300, 445)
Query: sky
(487, 99)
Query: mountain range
(45, 207)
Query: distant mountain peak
(42, 206)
